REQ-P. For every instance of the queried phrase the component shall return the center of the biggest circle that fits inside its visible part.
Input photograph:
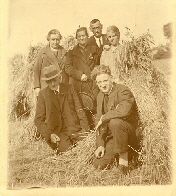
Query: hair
(101, 69)
(82, 29)
(53, 31)
(94, 21)
(114, 29)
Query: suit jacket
(77, 64)
(121, 104)
(92, 42)
(48, 111)
(45, 58)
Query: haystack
(152, 95)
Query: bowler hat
(50, 72)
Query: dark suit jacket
(45, 58)
(121, 104)
(77, 64)
(47, 112)
(92, 42)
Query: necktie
(105, 103)
(100, 41)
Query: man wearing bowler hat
(59, 117)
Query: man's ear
(90, 28)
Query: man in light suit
(59, 116)
(98, 39)
(116, 120)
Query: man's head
(96, 28)
(113, 35)
(103, 78)
(82, 36)
(54, 38)
(52, 77)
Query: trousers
(120, 134)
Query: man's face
(82, 38)
(112, 38)
(96, 29)
(54, 83)
(54, 40)
(104, 82)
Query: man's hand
(36, 91)
(84, 78)
(99, 123)
(54, 138)
(99, 152)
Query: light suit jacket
(45, 58)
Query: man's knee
(116, 123)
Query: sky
(29, 21)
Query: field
(33, 164)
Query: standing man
(59, 117)
(80, 61)
(98, 39)
(116, 120)
(53, 54)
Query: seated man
(59, 117)
(116, 120)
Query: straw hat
(50, 72)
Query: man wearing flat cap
(59, 117)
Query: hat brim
(46, 79)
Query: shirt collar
(54, 50)
(97, 40)
(57, 91)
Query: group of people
(91, 67)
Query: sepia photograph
(87, 97)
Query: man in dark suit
(98, 39)
(53, 54)
(116, 120)
(59, 116)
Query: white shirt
(98, 40)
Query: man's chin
(104, 91)
(98, 35)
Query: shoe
(123, 169)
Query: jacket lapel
(53, 98)
(62, 96)
(51, 58)
(111, 99)
(101, 101)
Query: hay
(152, 95)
